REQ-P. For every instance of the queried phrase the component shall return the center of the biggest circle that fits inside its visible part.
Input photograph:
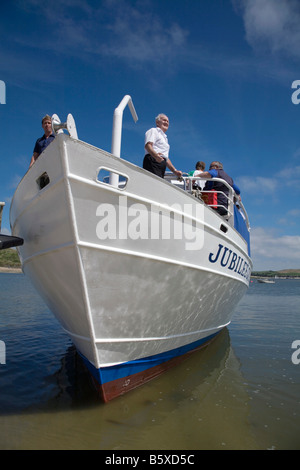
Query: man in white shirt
(157, 148)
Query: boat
(8, 241)
(137, 269)
(266, 281)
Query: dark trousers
(150, 164)
(222, 211)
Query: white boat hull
(133, 298)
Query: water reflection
(199, 404)
(211, 401)
(73, 386)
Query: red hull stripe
(116, 380)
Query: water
(242, 392)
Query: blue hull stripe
(109, 374)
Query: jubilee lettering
(231, 260)
(217, 256)
(222, 260)
(237, 264)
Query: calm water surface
(242, 392)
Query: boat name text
(230, 259)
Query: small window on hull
(43, 180)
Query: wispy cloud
(132, 31)
(141, 37)
(272, 25)
(290, 219)
(258, 185)
(270, 251)
(287, 177)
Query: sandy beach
(10, 270)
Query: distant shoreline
(256, 275)
(10, 270)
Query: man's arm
(159, 158)
(173, 169)
(149, 149)
(33, 158)
(208, 174)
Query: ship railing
(187, 183)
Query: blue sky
(222, 70)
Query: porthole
(43, 180)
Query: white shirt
(159, 141)
(199, 183)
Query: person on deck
(44, 141)
(156, 159)
(200, 167)
(216, 171)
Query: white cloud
(114, 29)
(272, 25)
(291, 218)
(292, 173)
(259, 185)
(134, 33)
(294, 213)
(296, 154)
(270, 251)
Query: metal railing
(188, 186)
(187, 182)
